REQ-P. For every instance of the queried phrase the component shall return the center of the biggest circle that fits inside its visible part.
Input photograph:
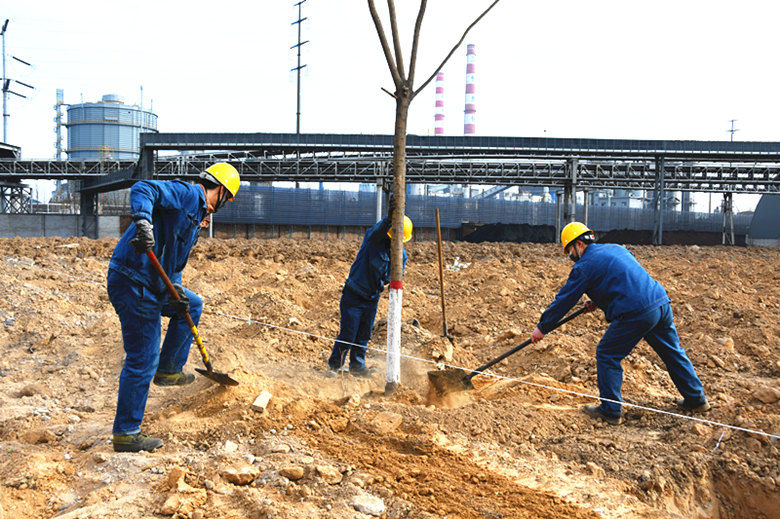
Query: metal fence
(288, 206)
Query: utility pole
(728, 203)
(7, 84)
(733, 130)
(5, 87)
(297, 69)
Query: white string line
(494, 375)
(719, 439)
(543, 386)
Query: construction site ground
(338, 447)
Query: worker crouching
(369, 274)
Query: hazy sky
(560, 68)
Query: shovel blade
(220, 378)
(449, 380)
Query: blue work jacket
(371, 270)
(613, 279)
(175, 209)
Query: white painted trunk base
(393, 364)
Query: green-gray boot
(135, 442)
(173, 379)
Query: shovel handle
(519, 347)
(175, 295)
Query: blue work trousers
(656, 326)
(140, 310)
(357, 321)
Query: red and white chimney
(439, 110)
(470, 113)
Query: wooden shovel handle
(175, 295)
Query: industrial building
(103, 130)
(107, 129)
(764, 228)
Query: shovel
(450, 380)
(220, 378)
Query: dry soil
(339, 447)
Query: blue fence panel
(289, 206)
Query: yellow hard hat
(571, 232)
(407, 229)
(226, 175)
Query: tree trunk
(393, 358)
(399, 186)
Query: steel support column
(379, 194)
(558, 215)
(88, 210)
(659, 205)
(570, 192)
(585, 204)
(15, 198)
(728, 220)
(146, 163)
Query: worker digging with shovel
(636, 306)
(167, 216)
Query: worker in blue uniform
(167, 216)
(637, 307)
(369, 274)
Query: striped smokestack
(470, 113)
(439, 110)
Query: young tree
(403, 94)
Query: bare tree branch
(415, 40)
(454, 48)
(387, 92)
(399, 57)
(385, 48)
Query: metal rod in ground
(441, 275)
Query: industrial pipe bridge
(718, 177)
(568, 164)
(708, 166)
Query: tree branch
(399, 57)
(454, 48)
(385, 48)
(415, 40)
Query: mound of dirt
(338, 447)
(635, 237)
(512, 232)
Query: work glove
(181, 305)
(144, 236)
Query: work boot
(693, 407)
(135, 442)
(362, 373)
(173, 379)
(595, 411)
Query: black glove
(181, 305)
(144, 236)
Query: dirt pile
(634, 237)
(512, 232)
(338, 447)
